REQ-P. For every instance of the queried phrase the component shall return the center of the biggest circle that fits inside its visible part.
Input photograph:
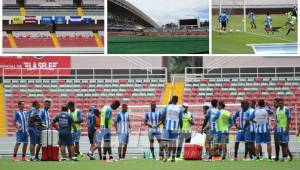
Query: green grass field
(139, 164)
(236, 42)
(157, 45)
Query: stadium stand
(43, 24)
(76, 39)
(236, 86)
(3, 130)
(84, 92)
(29, 39)
(5, 40)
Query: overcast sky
(166, 11)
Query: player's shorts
(262, 137)
(76, 135)
(223, 24)
(240, 136)
(212, 135)
(221, 138)
(105, 134)
(169, 134)
(282, 136)
(21, 137)
(185, 136)
(267, 27)
(34, 135)
(249, 136)
(123, 138)
(156, 134)
(65, 139)
(92, 137)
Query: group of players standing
(251, 122)
(253, 127)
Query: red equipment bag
(192, 152)
(50, 153)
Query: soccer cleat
(291, 157)
(173, 160)
(90, 156)
(159, 158)
(233, 159)
(166, 160)
(32, 159)
(111, 157)
(24, 159)
(14, 159)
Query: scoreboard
(189, 23)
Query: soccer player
(250, 130)
(66, 123)
(106, 125)
(268, 26)
(223, 123)
(91, 126)
(45, 114)
(283, 120)
(153, 121)
(206, 131)
(20, 123)
(186, 129)
(77, 118)
(223, 19)
(251, 18)
(122, 125)
(172, 119)
(34, 129)
(262, 133)
(209, 118)
(240, 136)
(291, 22)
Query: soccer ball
(231, 30)
(237, 30)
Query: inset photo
(254, 27)
(53, 26)
(158, 27)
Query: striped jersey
(261, 118)
(211, 113)
(44, 114)
(20, 117)
(154, 119)
(241, 116)
(123, 122)
(173, 115)
(249, 114)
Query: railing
(84, 73)
(194, 73)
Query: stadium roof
(131, 8)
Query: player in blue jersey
(153, 121)
(211, 112)
(223, 19)
(20, 123)
(252, 19)
(262, 129)
(172, 119)
(34, 129)
(240, 116)
(66, 123)
(122, 125)
(250, 131)
(45, 114)
(91, 126)
(268, 25)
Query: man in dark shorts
(66, 123)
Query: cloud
(166, 11)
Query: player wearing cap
(185, 133)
